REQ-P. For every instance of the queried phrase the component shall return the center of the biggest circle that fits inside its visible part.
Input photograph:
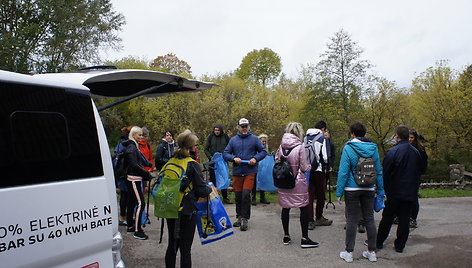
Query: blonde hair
(186, 141)
(264, 136)
(295, 128)
(134, 130)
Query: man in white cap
(245, 150)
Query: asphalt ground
(443, 239)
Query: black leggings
(124, 196)
(303, 220)
(183, 243)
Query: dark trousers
(124, 196)
(316, 190)
(357, 202)
(136, 199)
(183, 243)
(303, 221)
(261, 193)
(415, 209)
(224, 192)
(402, 209)
(242, 186)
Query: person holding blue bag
(359, 197)
(244, 150)
(216, 143)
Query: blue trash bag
(144, 217)
(221, 172)
(307, 175)
(265, 180)
(213, 222)
(379, 203)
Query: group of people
(310, 154)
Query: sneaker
(413, 223)
(311, 225)
(243, 225)
(323, 222)
(287, 240)
(253, 202)
(366, 243)
(264, 201)
(237, 223)
(347, 256)
(399, 250)
(140, 235)
(369, 255)
(361, 228)
(227, 201)
(130, 230)
(307, 243)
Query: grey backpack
(365, 171)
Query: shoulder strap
(289, 150)
(354, 150)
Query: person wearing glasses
(244, 150)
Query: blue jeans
(366, 201)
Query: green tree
(341, 71)
(170, 63)
(261, 66)
(56, 35)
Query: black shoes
(287, 240)
(307, 243)
(244, 226)
(227, 201)
(237, 223)
(253, 202)
(140, 235)
(264, 201)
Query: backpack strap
(358, 155)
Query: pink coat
(298, 196)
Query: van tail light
(116, 250)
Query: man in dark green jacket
(216, 142)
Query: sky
(400, 38)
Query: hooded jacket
(348, 164)
(146, 150)
(164, 153)
(244, 146)
(298, 196)
(322, 149)
(402, 171)
(216, 143)
(133, 161)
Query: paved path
(443, 239)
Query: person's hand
(340, 201)
(253, 161)
(237, 160)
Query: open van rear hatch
(129, 84)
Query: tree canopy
(261, 66)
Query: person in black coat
(401, 171)
(414, 140)
(165, 149)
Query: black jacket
(133, 162)
(200, 188)
(401, 172)
(215, 143)
(164, 153)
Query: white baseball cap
(243, 122)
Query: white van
(57, 188)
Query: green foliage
(55, 35)
(261, 66)
(170, 63)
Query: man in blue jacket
(245, 151)
(402, 172)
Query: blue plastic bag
(265, 180)
(379, 202)
(213, 222)
(221, 172)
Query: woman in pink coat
(292, 147)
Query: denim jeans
(366, 201)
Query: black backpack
(365, 171)
(282, 172)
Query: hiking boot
(323, 222)
(311, 225)
(253, 202)
(130, 230)
(140, 235)
(243, 225)
(361, 228)
(413, 223)
(264, 201)
(308, 243)
(369, 255)
(287, 240)
(227, 201)
(347, 256)
(237, 223)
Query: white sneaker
(369, 255)
(347, 256)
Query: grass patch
(433, 193)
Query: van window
(47, 134)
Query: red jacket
(146, 150)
